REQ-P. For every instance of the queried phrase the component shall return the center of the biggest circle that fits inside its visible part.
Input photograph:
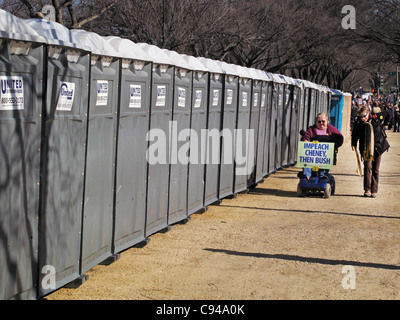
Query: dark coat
(380, 142)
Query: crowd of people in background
(389, 106)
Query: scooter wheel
(327, 191)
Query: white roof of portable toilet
(155, 53)
(309, 84)
(306, 83)
(55, 33)
(228, 68)
(127, 48)
(264, 75)
(290, 80)
(15, 28)
(96, 43)
(256, 74)
(299, 83)
(177, 59)
(293, 81)
(277, 78)
(284, 78)
(314, 85)
(269, 76)
(194, 63)
(212, 65)
(242, 72)
(326, 89)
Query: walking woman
(368, 131)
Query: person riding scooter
(321, 131)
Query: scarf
(368, 152)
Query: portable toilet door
(279, 125)
(300, 98)
(158, 155)
(133, 125)
(307, 99)
(262, 126)
(313, 103)
(290, 129)
(318, 101)
(306, 110)
(279, 86)
(252, 155)
(268, 165)
(180, 135)
(326, 100)
(294, 123)
(21, 79)
(229, 114)
(63, 154)
(337, 104)
(198, 125)
(213, 143)
(273, 126)
(243, 134)
(309, 104)
(286, 115)
(98, 205)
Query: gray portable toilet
(268, 164)
(159, 139)
(300, 98)
(316, 94)
(295, 122)
(242, 136)
(319, 102)
(263, 127)
(311, 101)
(98, 204)
(325, 99)
(21, 81)
(286, 117)
(213, 142)
(282, 96)
(133, 125)
(307, 98)
(257, 81)
(276, 123)
(229, 118)
(198, 125)
(273, 123)
(322, 100)
(63, 154)
(180, 135)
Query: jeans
(371, 174)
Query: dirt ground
(271, 244)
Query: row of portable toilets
(79, 116)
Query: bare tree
(303, 39)
(72, 14)
(380, 23)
